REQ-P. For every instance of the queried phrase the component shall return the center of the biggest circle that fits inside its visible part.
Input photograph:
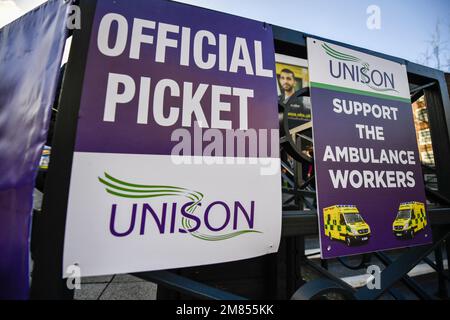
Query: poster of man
(292, 75)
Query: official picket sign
(369, 182)
(160, 178)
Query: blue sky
(406, 25)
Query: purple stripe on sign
(134, 129)
(30, 57)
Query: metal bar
(436, 196)
(440, 137)
(396, 294)
(319, 288)
(407, 281)
(365, 259)
(416, 96)
(290, 267)
(300, 257)
(288, 200)
(272, 276)
(298, 179)
(299, 223)
(307, 193)
(309, 205)
(428, 169)
(307, 182)
(303, 193)
(289, 181)
(420, 88)
(187, 286)
(300, 128)
(287, 168)
(305, 137)
(398, 269)
(442, 285)
(434, 266)
(439, 216)
(329, 275)
(447, 250)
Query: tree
(437, 54)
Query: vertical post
(299, 257)
(298, 179)
(47, 282)
(439, 135)
(447, 249)
(442, 284)
(442, 287)
(290, 266)
(271, 276)
(296, 185)
(324, 263)
(295, 248)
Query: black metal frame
(281, 272)
(48, 269)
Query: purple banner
(30, 56)
(143, 54)
(370, 184)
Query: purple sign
(368, 173)
(156, 67)
(30, 56)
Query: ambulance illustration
(343, 222)
(410, 219)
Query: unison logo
(357, 70)
(218, 221)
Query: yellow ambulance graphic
(343, 222)
(410, 219)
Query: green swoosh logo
(339, 55)
(125, 189)
(347, 57)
